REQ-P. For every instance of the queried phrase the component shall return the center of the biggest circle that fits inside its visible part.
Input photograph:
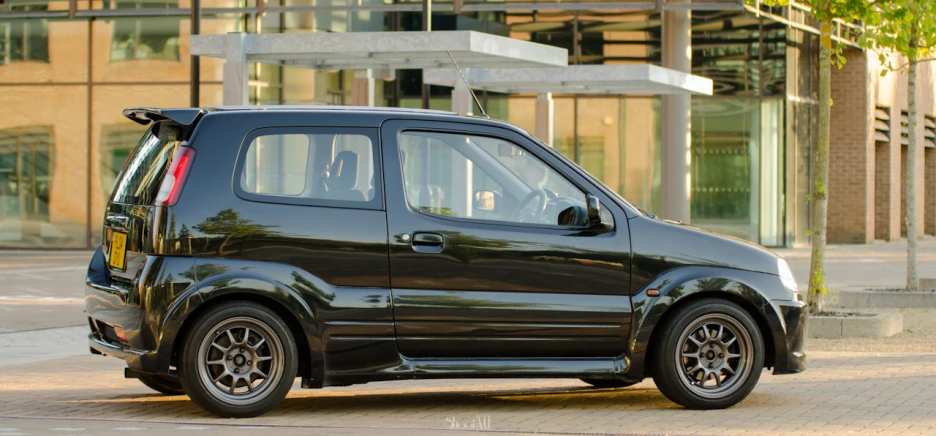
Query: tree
(825, 11)
(229, 224)
(906, 27)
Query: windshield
(143, 172)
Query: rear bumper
(113, 303)
(790, 343)
(99, 345)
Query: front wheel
(239, 360)
(710, 356)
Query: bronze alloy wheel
(241, 361)
(710, 354)
(715, 356)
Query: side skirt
(410, 369)
(606, 368)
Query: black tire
(690, 333)
(222, 345)
(162, 384)
(607, 384)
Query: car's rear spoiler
(183, 116)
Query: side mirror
(486, 200)
(594, 210)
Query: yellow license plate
(118, 250)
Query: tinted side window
(309, 166)
(277, 165)
(486, 178)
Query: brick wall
(882, 194)
(929, 187)
(852, 158)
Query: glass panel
(317, 166)
(485, 178)
(564, 126)
(771, 173)
(43, 155)
(332, 18)
(41, 50)
(138, 49)
(599, 139)
(725, 137)
(519, 111)
(640, 130)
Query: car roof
(188, 116)
(326, 108)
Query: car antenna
(475, 97)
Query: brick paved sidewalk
(854, 393)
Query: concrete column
(676, 153)
(362, 90)
(462, 102)
(235, 71)
(544, 118)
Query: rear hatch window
(142, 174)
(139, 188)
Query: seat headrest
(343, 172)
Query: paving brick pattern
(842, 393)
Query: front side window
(298, 166)
(480, 177)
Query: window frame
(455, 131)
(371, 133)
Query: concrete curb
(861, 298)
(881, 325)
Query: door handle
(427, 242)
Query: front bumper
(790, 341)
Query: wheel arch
(679, 287)
(292, 322)
(245, 284)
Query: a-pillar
(544, 118)
(676, 153)
(235, 71)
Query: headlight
(786, 275)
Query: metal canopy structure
(578, 79)
(368, 51)
(575, 79)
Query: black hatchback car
(245, 247)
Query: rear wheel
(710, 356)
(162, 384)
(605, 383)
(239, 361)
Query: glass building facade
(67, 69)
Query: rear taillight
(178, 170)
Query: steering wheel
(537, 198)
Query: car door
(474, 274)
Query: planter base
(860, 298)
(881, 325)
